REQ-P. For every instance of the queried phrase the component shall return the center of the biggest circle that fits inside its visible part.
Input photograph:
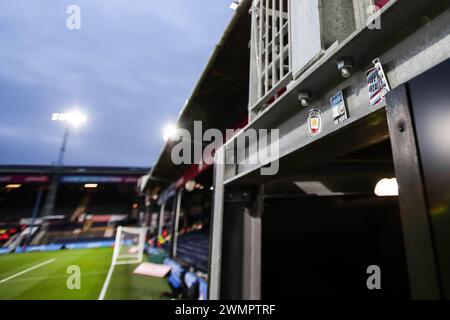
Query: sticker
(377, 84)
(314, 122)
(338, 107)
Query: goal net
(129, 245)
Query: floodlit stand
(128, 249)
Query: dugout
(312, 229)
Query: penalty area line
(27, 270)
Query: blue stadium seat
(203, 289)
(176, 273)
(193, 248)
(190, 279)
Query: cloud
(131, 67)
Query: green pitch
(44, 276)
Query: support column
(215, 251)
(251, 280)
(419, 248)
(161, 218)
(175, 223)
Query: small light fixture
(91, 185)
(305, 99)
(13, 186)
(135, 205)
(234, 5)
(190, 185)
(345, 66)
(386, 187)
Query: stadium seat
(192, 286)
(176, 274)
(203, 289)
(190, 279)
(193, 248)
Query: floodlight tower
(70, 119)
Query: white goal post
(129, 245)
(128, 248)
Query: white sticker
(338, 107)
(377, 84)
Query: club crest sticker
(377, 84)
(315, 122)
(338, 107)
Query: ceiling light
(386, 187)
(13, 186)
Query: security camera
(304, 98)
(345, 66)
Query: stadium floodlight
(128, 249)
(71, 119)
(386, 188)
(74, 118)
(169, 132)
(91, 185)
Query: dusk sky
(130, 69)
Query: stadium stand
(80, 214)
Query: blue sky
(130, 68)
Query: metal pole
(176, 223)
(63, 147)
(215, 251)
(161, 219)
(53, 189)
(37, 204)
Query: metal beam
(215, 258)
(421, 260)
(161, 218)
(251, 279)
(176, 223)
(399, 54)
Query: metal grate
(271, 29)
